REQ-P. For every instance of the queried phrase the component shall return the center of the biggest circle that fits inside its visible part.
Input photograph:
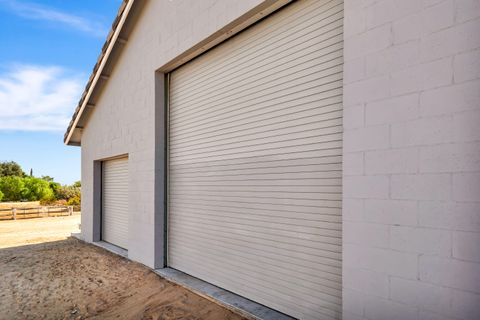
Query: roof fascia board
(99, 70)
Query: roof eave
(111, 41)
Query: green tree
(37, 189)
(55, 186)
(1, 195)
(47, 178)
(11, 168)
(77, 184)
(12, 188)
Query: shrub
(48, 202)
(60, 203)
(68, 192)
(12, 188)
(75, 201)
(1, 195)
(55, 186)
(37, 189)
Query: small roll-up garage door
(115, 202)
(255, 140)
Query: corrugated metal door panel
(255, 162)
(115, 202)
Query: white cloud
(38, 12)
(38, 98)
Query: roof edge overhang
(249, 18)
(97, 75)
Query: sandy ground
(45, 275)
(21, 232)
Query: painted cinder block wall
(411, 202)
(411, 206)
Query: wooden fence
(35, 212)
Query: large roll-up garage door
(255, 144)
(115, 202)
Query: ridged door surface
(115, 202)
(255, 162)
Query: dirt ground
(29, 231)
(46, 275)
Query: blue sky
(47, 51)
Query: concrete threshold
(112, 248)
(104, 245)
(227, 299)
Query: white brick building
(383, 223)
